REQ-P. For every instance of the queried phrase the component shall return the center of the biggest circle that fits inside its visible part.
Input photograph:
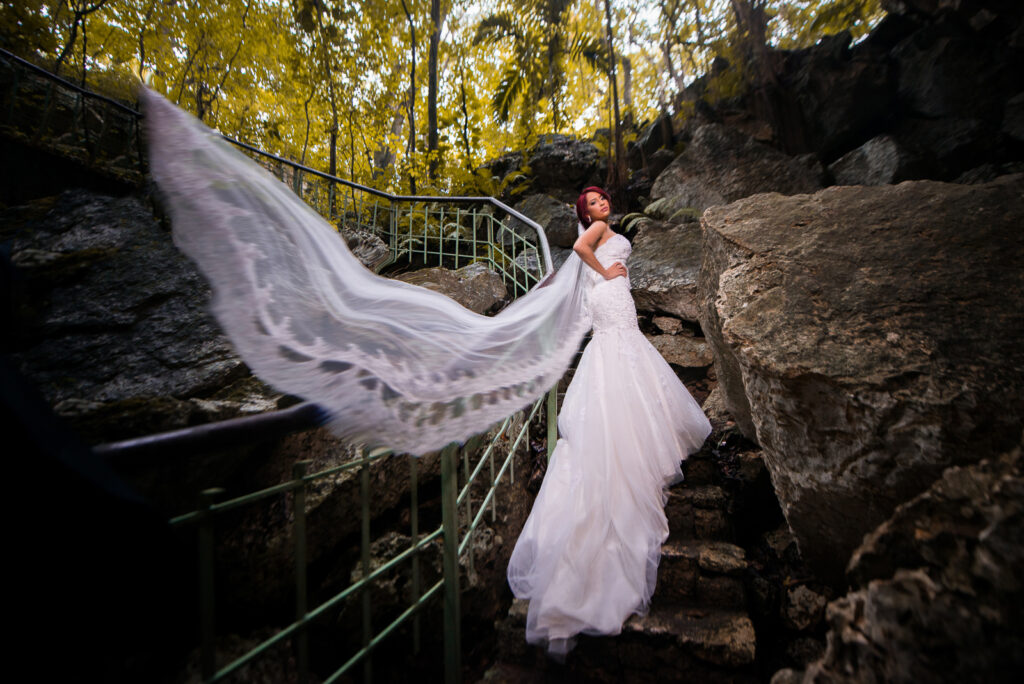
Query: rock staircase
(698, 628)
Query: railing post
(207, 622)
(552, 418)
(364, 497)
(414, 521)
(450, 523)
(301, 606)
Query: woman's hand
(615, 270)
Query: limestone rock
(722, 558)
(667, 325)
(558, 219)
(561, 165)
(787, 676)
(688, 352)
(714, 407)
(867, 338)
(803, 608)
(657, 135)
(879, 161)
(475, 286)
(947, 146)
(721, 165)
(371, 251)
(840, 92)
(663, 268)
(113, 328)
(1013, 118)
(944, 72)
(938, 594)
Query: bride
(588, 555)
(402, 367)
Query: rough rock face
(867, 338)
(721, 165)
(682, 350)
(656, 135)
(840, 93)
(939, 596)
(879, 161)
(663, 267)
(561, 165)
(475, 286)
(371, 251)
(113, 326)
(558, 219)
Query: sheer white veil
(393, 364)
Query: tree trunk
(616, 170)
(627, 90)
(412, 102)
(435, 38)
(383, 156)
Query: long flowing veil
(393, 364)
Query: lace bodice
(611, 304)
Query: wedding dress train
(588, 554)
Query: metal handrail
(383, 194)
(68, 84)
(220, 434)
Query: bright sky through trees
(317, 80)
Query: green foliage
(316, 79)
(543, 38)
(24, 29)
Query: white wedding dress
(399, 366)
(588, 554)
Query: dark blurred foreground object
(99, 581)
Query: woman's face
(598, 207)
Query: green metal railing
(466, 500)
(447, 231)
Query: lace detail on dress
(611, 302)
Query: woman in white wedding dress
(405, 368)
(588, 554)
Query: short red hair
(581, 203)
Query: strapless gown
(588, 555)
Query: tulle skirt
(588, 554)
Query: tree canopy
(345, 85)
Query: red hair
(581, 203)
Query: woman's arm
(588, 242)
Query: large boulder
(938, 594)
(655, 136)
(867, 338)
(561, 165)
(948, 146)
(475, 287)
(721, 165)
(840, 93)
(558, 219)
(879, 161)
(664, 265)
(112, 323)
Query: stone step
(698, 512)
(701, 573)
(667, 644)
(699, 469)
